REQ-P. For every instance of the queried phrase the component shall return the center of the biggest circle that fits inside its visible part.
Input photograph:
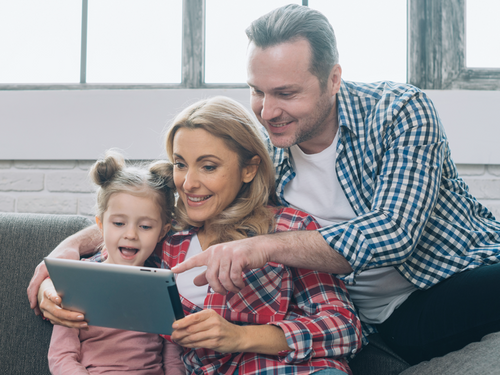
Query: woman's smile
(197, 199)
(207, 173)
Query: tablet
(118, 296)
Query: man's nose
(270, 108)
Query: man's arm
(81, 243)
(227, 261)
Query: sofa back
(24, 240)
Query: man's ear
(164, 231)
(250, 170)
(335, 79)
(99, 223)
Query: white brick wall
(63, 187)
(45, 186)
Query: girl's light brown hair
(228, 120)
(112, 176)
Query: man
(371, 163)
(419, 254)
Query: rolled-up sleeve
(323, 323)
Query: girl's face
(207, 174)
(131, 228)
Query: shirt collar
(186, 232)
(346, 109)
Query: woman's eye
(179, 165)
(209, 168)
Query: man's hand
(226, 263)
(207, 329)
(50, 305)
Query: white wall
(48, 140)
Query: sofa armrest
(24, 240)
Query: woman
(297, 321)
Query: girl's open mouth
(128, 252)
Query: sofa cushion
(377, 359)
(24, 240)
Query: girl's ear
(164, 231)
(99, 223)
(250, 170)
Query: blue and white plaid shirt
(413, 210)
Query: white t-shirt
(377, 292)
(184, 281)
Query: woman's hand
(207, 329)
(50, 306)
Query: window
(371, 39)
(130, 41)
(40, 41)
(184, 44)
(437, 48)
(483, 34)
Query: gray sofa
(24, 338)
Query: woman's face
(207, 174)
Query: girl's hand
(50, 305)
(207, 329)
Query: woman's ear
(99, 223)
(250, 170)
(164, 231)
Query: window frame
(437, 48)
(436, 52)
(193, 58)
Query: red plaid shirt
(312, 308)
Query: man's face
(287, 98)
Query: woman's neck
(206, 237)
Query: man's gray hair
(292, 22)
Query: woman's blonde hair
(228, 120)
(112, 176)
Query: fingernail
(83, 325)
(80, 317)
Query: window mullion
(83, 50)
(193, 43)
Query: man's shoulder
(381, 103)
(379, 90)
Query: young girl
(134, 212)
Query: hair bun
(104, 170)
(164, 170)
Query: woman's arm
(207, 329)
(84, 242)
(50, 305)
(64, 352)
